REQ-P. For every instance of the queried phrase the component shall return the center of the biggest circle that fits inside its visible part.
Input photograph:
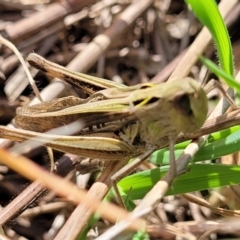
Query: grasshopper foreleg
(127, 170)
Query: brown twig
(53, 13)
(35, 190)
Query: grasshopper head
(171, 108)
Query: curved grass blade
(208, 14)
(230, 80)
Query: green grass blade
(208, 14)
(199, 177)
(230, 80)
(213, 149)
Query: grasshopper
(152, 113)
(120, 122)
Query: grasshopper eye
(182, 103)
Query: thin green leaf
(212, 150)
(208, 14)
(230, 80)
(199, 177)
